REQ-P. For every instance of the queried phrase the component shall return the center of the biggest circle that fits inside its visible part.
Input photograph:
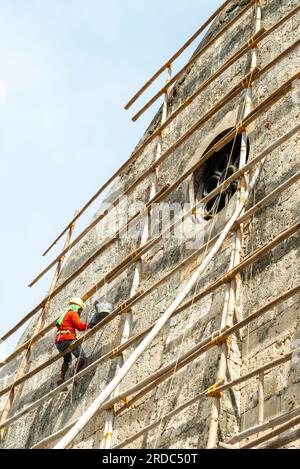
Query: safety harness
(62, 317)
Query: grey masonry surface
(265, 339)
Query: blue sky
(67, 67)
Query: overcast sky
(67, 67)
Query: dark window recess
(220, 166)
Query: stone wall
(265, 339)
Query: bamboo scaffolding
(132, 158)
(41, 304)
(270, 365)
(193, 60)
(142, 295)
(129, 304)
(272, 99)
(136, 153)
(214, 339)
(176, 55)
(232, 289)
(205, 345)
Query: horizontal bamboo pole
(185, 262)
(157, 132)
(176, 55)
(273, 433)
(132, 340)
(274, 97)
(283, 440)
(270, 424)
(193, 60)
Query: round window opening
(220, 166)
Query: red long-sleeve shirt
(71, 323)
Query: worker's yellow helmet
(76, 301)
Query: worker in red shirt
(66, 325)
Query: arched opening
(220, 166)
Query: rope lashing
(252, 43)
(107, 435)
(241, 128)
(123, 306)
(125, 400)
(213, 391)
(134, 254)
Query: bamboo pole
(194, 58)
(272, 99)
(176, 55)
(39, 326)
(136, 153)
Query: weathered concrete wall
(264, 340)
